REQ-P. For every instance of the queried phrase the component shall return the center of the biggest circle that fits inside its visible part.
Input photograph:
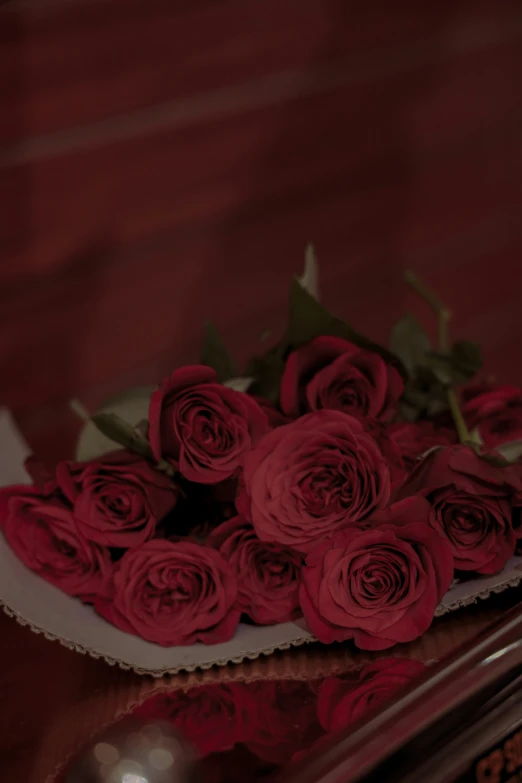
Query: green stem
(443, 316)
(458, 418)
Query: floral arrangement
(337, 481)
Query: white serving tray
(45, 609)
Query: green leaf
(468, 356)
(309, 319)
(131, 406)
(410, 343)
(267, 371)
(123, 433)
(215, 355)
(457, 367)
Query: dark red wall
(162, 161)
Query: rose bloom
(496, 411)
(471, 502)
(306, 480)
(201, 427)
(212, 717)
(415, 438)
(173, 593)
(118, 499)
(42, 532)
(274, 415)
(267, 574)
(379, 586)
(390, 452)
(332, 373)
(286, 719)
(342, 702)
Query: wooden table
(53, 700)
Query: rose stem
(443, 317)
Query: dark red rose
(496, 411)
(332, 373)
(267, 574)
(471, 503)
(286, 720)
(275, 416)
(390, 452)
(342, 702)
(117, 499)
(173, 594)
(201, 427)
(212, 717)
(42, 532)
(306, 480)
(379, 586)
(415, 438)
(517, 519)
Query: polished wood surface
(54, 700)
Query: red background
(163, 161)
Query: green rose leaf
(215, 355)
(410, 343)
(310, 319)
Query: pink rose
(117, 499)
(201, 427)
(306, 480)
(415, 438)
(267, 574)
(332, 373)
(496, 411)
(380, 586)
(342, 702)
(173, 594)
(471, 504)
(42, 532)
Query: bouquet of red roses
(337, 480)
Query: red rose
(470, 499)
(343, 702)
(306, 480)
(173, 594)
(267, 574)
(390, 452)
(201, 427)
(42, 532)
(496, 411)
(117, 499)
(212, 717)
(415, 438)
(333, 373)
(378, 586)
(286, 719)
(275, 417)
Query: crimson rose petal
(118, 499)
(306, 480)
(42, 532)
(470, 498)
(201, 427)
(268, 575)
(173, 594)
(379, 586)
